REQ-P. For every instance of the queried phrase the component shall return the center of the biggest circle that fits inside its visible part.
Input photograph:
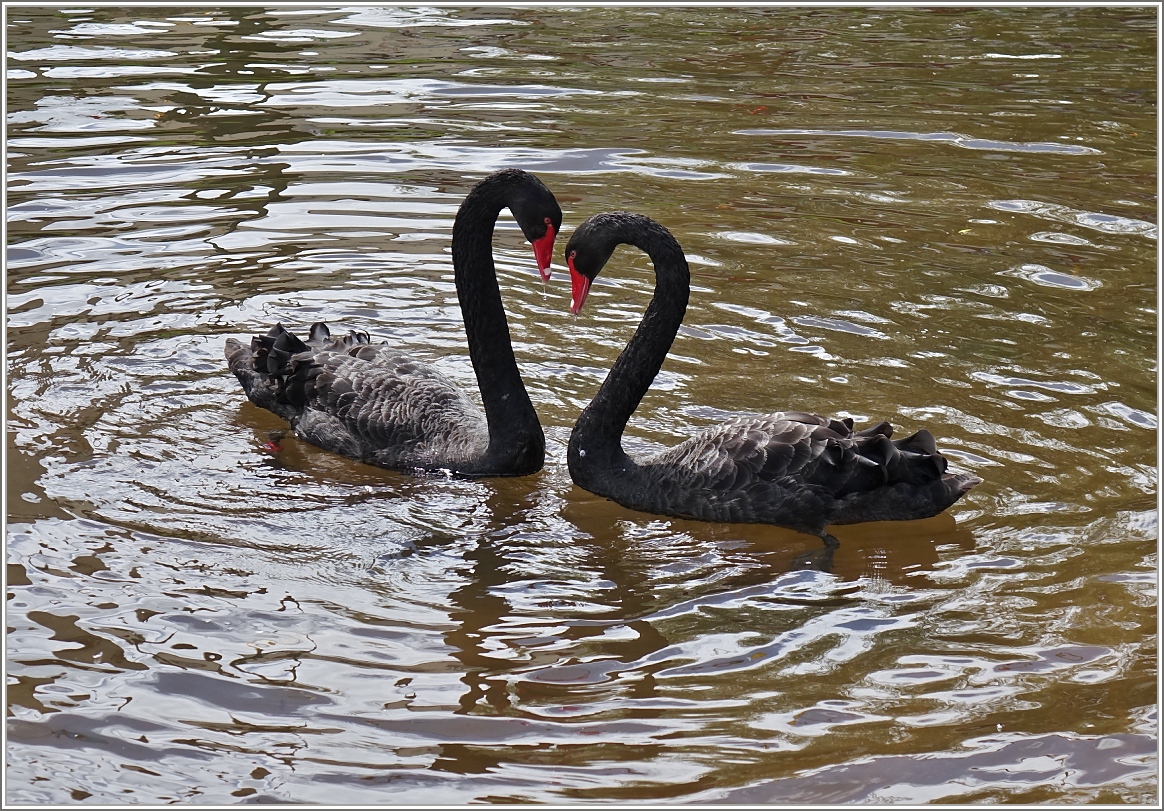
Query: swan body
(791, 469)
(378, 405)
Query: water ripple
(349, 93)
(71, 53)
(1046, 277)
(964, 141)
(1107, 223)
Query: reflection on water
(953, 138)
(195, 618)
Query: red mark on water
(272, 445)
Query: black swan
(791, 469)
(380, 406)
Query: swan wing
(733, 454)
(808, 449)
(368, 401)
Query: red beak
(579, 289)
(544, 251)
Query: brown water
(945, 218)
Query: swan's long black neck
(596, 441)
(514, 430)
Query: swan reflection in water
(547, 576)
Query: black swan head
(590, 248)
(538, 215)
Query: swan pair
(378, 405)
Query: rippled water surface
(945, 218)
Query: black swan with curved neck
(380, 406)
(791, 469)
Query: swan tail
(245, 362)
(903, 500)
(899, 479)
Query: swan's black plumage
(378, 405)
(791, 469)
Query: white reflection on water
(964, 141)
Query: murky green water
(941, 217)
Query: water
(944, 217)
